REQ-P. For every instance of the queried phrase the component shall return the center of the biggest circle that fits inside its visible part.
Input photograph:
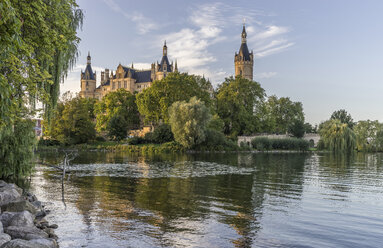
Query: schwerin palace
(134, 80)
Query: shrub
(149, 137)
(117, 127)
(48, 142)
(264, 143)
(100, 139)
(261, 143)
(136, 141)
(162, 134)
(217, 141)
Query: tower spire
(244, 34)
(165, 49)
(176, 67)
(88, 59)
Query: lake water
(215, 200)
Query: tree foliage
(154, 102)
(297, 128)
(337, 136)
(237, 100)
(281, 114)
(72, 123)
(188, 121)
(367, 138)
(38, 45)
(16, 149)
(117, 127)
(120, 102)
(344, 117)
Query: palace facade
(135, 80)
(131, 79)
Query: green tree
(72, 123)
(216, 123)
(38, 45)
(337, 136)
(297, 128)
(283, 113)
(162, 134)
(237, 100)
(120, 102)
(117, 127)
(188, 121)
(153, 103)
(344, 117)
(309, 128)
(16, 149)
(366, 135)
(379, 140)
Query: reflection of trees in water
(342, 171)
(160, 206)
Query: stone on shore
(6, 217)
(24, 218)
(19, 206)
(9, 193)
(35, 243)
(4, 238)
(25, 232)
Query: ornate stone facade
(244, 60)
(125, 77)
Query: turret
(244, 60)
(88, 80)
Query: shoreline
(22, 222)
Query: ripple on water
(155, 170)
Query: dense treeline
(196, 114)
(38, 45)
(341, 133)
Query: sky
(326, 54)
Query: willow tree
(38, 45)
(188, 121)
(337, 136)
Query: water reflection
(204, 200)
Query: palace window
(119, 84)
(113, 85)
(125, 84)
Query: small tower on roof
(88, 80)
(244, 60)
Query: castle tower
(88, 80)
(244, 60)
(164, 67)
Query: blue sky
(327, 54)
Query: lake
(214, 200)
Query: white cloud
(268, 39)
(144, 24)
(262, 75)
(191, 46)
